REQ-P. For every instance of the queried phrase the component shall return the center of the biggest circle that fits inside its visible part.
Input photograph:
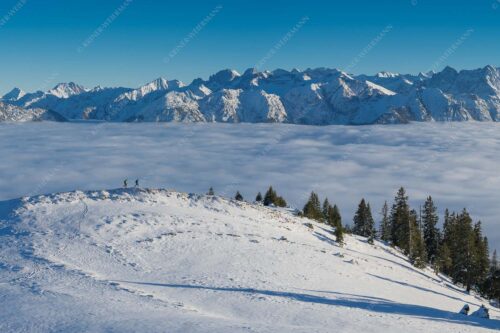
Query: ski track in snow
(163, 261)
(456, 163)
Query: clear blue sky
(40, 41)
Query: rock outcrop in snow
(318, 96)
(14, 113)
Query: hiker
(125, 183)
(465, 310)
(137, 183)
(482, 312)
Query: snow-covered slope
(318, 96)
(162, 261)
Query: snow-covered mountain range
(318, 96)
(147, 260)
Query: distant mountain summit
(14, 95)
(66, 90)
(320, 96)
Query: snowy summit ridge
(66, 90)
(320, 96)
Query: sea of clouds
(456, 163)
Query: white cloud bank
(456, 163)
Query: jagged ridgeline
(318, 96)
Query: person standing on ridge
(125, 183)
(137, 182)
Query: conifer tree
(238, 196)
(448, 227)
(488, 288)
(446, 223)
(258, 198)
(270, 197)
(431, 232)
(326, 209)
(336, 218)
(385, 224)
(448, 243)
(461, 246)
(360, 219)
(494, 261)
(418, 256)
(417, 251)
(211, 191)
(495, 286)
(280, 202)
(400, 221)
(443, 262)
(312, 209)
(370, 225)
(364, 225)
(333, 217)
(491, 287)
(481, 260)
(328, 216)
(339, 229)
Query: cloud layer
(456, 163)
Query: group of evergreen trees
(327, 214)
(460, 250)
(406, 231)
(463, 253)
(271, 198)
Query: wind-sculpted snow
(318, 96)
(456, 163)
(162, 261)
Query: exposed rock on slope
(14, 113)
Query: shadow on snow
(421, 288)
(359, 302)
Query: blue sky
(41, 40)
